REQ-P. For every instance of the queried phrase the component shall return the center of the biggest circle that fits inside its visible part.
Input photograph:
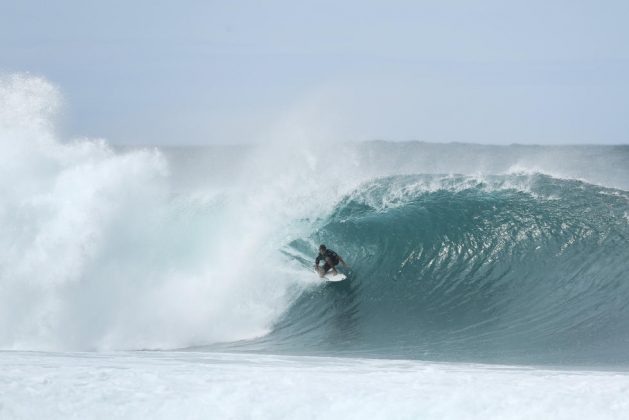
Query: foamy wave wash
(97, 253)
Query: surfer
(331, 259)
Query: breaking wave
(523, 256)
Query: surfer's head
(322, 249)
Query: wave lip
(509, 268)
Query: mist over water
(457, 251)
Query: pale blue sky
(151, 72)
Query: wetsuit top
(328, 254)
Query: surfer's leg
(326, 268)
(330, 265)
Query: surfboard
(331, 277)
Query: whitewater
(485, 281)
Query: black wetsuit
(333, 256)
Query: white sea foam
(168, 385)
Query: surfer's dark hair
(322, 246)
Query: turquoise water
(511, 268)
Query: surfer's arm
(316, 265)
(343, 262)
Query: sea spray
(98, 253)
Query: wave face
(510, 268)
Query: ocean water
(485, 281)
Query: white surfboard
(331, 277)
